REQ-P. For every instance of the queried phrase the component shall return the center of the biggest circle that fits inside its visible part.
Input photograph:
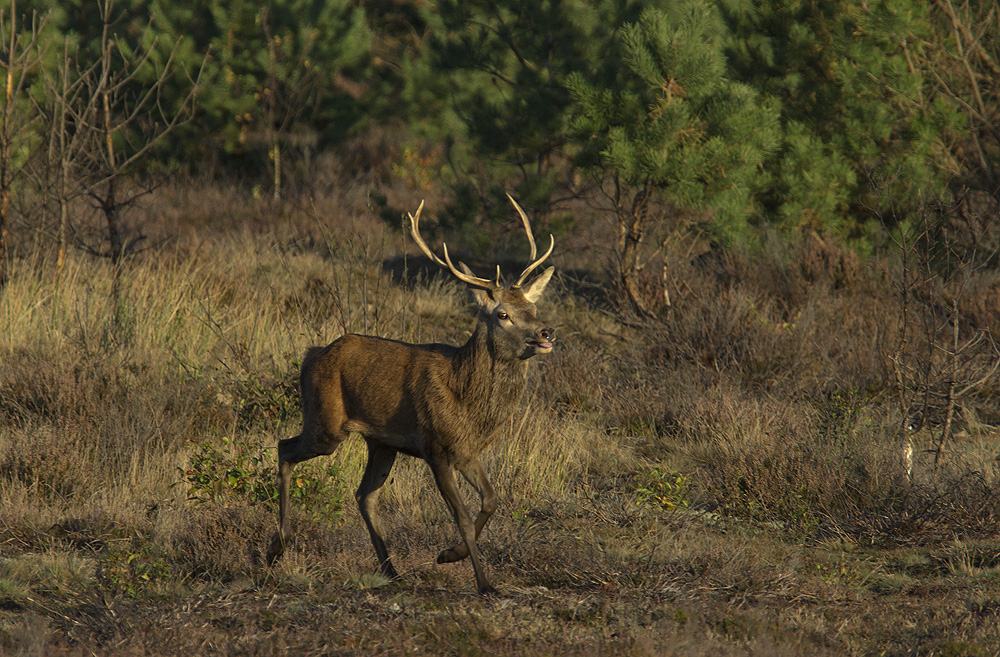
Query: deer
(437, 402)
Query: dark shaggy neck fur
(489, 380)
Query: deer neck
(489, 383)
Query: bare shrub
(219, 543)
(86, 410)
(770, 374)
(793, 483)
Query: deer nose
(546, 334)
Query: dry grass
(724, 482)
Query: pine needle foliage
(663, 115)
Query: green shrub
(665, 489)
(237, 471)
(129, 570)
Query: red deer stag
(437, 402)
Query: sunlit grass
(759, 426)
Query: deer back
(401, 393)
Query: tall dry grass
(105, 403)
(716, 477)
(148, 422)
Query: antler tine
(415, 232)
(532, 263)
(527, 227)
(474, 281)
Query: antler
(474, 281)
(532, 264)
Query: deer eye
(502, 315)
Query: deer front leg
(444, 476)
(475, 474)
(380, 460)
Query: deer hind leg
(291, 451)
(475, 474)
(444, 476)
(380, 460)
(287, 449)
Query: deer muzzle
(542, 340)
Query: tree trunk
(64, 161)
(5, 148)
(952, 374)
(110, 209)
(276, 157)
(111, 214)
(630, 235)
(4, 206)
(3, 253)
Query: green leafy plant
(665, 489)
(664, 124)
(233, 470)
(130, 570)
(237, 472)
(263, 399)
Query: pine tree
(851, 102)
(490, 82)
(662, 121)
(284, 74)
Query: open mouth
(540, 345)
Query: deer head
(508, 313)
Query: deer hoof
(452, 555)
(488, 591)
(275, 549)
(389, 572)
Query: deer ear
(480, 296)
(537, 286)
